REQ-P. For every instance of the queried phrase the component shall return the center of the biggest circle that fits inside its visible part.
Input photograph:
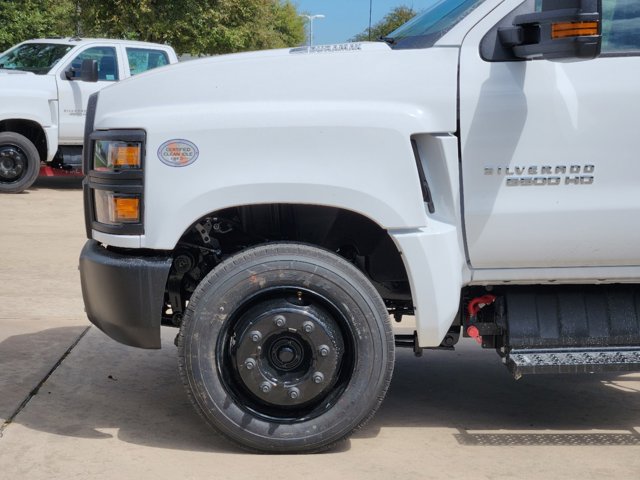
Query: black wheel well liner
(348, 234)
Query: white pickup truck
(475, 171)
(44, 88)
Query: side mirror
(562, 29)
(88, 71)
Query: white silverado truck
(44, 88)
(476, 171)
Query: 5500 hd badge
(544, 175)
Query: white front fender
(435, 275)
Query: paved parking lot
(74, 404)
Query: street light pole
(370, 12)
(310, 19)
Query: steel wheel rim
(289, 380)
(13, 163)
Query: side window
(620, 26)
(143, 59)
(107, 62)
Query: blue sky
(346, 18)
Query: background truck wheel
(286, 348)
(19, 163)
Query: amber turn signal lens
(574, 29)
(126, 209)
(117, 155)
(125, 156)
(113, 208)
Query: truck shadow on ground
(57, 183)
(26, 359)
(469, 390)
(104, 390)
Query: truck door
(550, 150)
(74, 94)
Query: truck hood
(330, 76)
(26, 84)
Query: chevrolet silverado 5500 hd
(475, 170)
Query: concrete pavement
(110, 411)
(41, 310)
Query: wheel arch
(30, 129)
(416, 271)
(349, 234)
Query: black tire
(339, 368)
(19, 163)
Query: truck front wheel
(286, 348)
(19, 163)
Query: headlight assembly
(114, 185)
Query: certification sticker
(178, 153)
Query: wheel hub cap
(287, 353)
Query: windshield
(428, 27)
(34, 57)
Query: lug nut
(265, 387)
(318, 377)
(308, 327)
(280, 321)
(324, 350)
(294, 393)
(255, 336)
(249, 364)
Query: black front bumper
(124, 294)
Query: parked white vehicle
(44, 88)
(475, 171)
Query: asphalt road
(74, 404)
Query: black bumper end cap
(124, 294)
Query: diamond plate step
(573, 360)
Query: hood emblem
(341, 47)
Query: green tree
(197, 26)
(392, 20)
(24, 19)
